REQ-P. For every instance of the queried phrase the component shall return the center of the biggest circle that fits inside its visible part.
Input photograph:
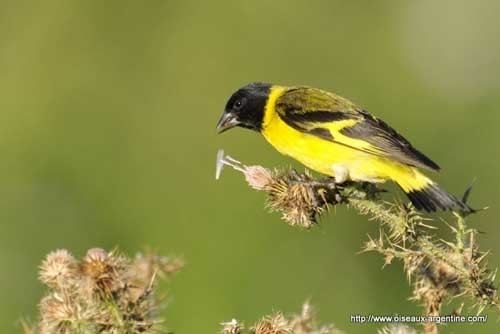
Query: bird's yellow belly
(328, 157)
(317, 154)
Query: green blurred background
(107, 138)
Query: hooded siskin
(333, 136)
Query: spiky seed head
(59, 269)
(303, 322)
(103, 270)
(58, 311)
(231, 327)
(258, 177)
(97, 255)
(95, 263)
(296, 201)
(99, 296)
(276, 324)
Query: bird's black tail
(432, 198)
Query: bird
(335, 137)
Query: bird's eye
(239, 103)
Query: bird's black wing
(333, 118)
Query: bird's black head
(245, 108)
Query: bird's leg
(371, 188)
(323, 183)
(328, 191)
(325, 190)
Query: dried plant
(302, 323)
(277, 323)
(104, 292)
(438, 270)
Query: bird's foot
(328, 191)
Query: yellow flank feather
(345, 154)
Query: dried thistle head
(59, 313)
(298, 197)
(274, 324)
(299, 202)
(305, 322)
(231, 327)
(301, 323)
(259, 178)
(103, 270)
(146, 267)
(59, 269)
(103, 296)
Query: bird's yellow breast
(315, 153)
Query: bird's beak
(226, 122)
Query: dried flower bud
(276, 324)
(103, 269)
(58, 311)
(302, 323)
(102, 296)
(299, 198)
(95, 265)
(59, 269)
(258, 177)
(96, 255)
(231, 327)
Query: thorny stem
(461, 231)
(433, 301)
(439, 269)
